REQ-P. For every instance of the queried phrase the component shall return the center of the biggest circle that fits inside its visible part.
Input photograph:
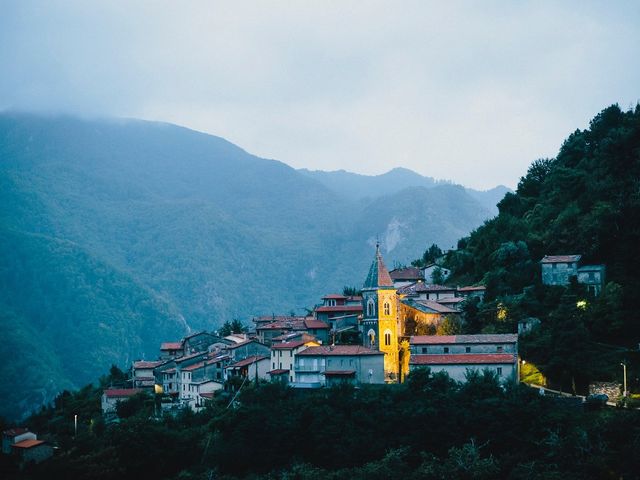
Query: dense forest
(585, 201)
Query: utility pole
(624, 373)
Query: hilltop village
(397, 323)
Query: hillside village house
(406, 276)
(15, 435)
(253, 367)
(327, 365)
(455, 354)
(427, 272)
(266, 332)
(559, 269)
(340, 312)
(111, 397)
(283, 357)
(142, 374)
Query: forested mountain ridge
(585, 201)
(118, 234)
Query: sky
(466, 91)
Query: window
(424, 349)
(387, 337)
(371, 307)
(446, 349)
(274, 365)
(467, 349)
(372, 337)
(387, 308)
(499, 371)
(500, 349)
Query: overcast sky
(467, 91)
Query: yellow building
(380, 322)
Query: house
(111, 397)
(339, 317)
(455, 354)
(283, 356)
(593, 276)
(142, 373)
(253, 367)
(246, 349)
(558, 269)
(169, 350)
(406, 276)
(13, 436)
(266, 332)
(472, 292)
(326, 365)
(427, 273)
(31, 451)
(427, 291)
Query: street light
(624, 370)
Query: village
(378, 337)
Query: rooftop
(378, 274)
(407, 273)
(449, 339)
(278, 371)
(479, 288)
(325, 350)
(248, 361)
(340, 308)
(561, 258)
(28, 444)
(121, 392)
(429, 306)
(14, 432)
(463, 359)
(334, 296)
(339, 373)
(288, 345)
(318, 324)
(171, 346)
(146, 364)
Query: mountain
(118, 234)
(356, 186)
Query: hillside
(585, 201)
(117, 234)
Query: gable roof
(147, 364)
(121, 392)
(248, 361)
(449, 339)
(317, 324)
(171, 346)
(378, 274)
(328, 350)
(28, 443)
(463, 359)
(428, 306)
(288, 345)
(407, 273)
(561, 258)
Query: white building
(455, 354)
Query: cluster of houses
(375, 337)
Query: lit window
(387, 338)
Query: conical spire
(378, 273)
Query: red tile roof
(313, 323)
(241, 344)
(463, 359)
(335, 296)
(278, 371)
(28, 443)
(208, 395)
(14, 432)
(248, 361)
(408, 273)
(288, 345)
(326, 350)
(340, 308)
(171, 346)
(448, 339)
(146, 364)
(330, 373)
(561, 258)
(193, 367)
(121, 392)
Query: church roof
(378, 273)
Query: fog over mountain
(119, 234)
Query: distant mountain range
(357, 187)
(118, 234)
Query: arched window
(387, 337)
(387, 308)
(372, 337)
(371, 308)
